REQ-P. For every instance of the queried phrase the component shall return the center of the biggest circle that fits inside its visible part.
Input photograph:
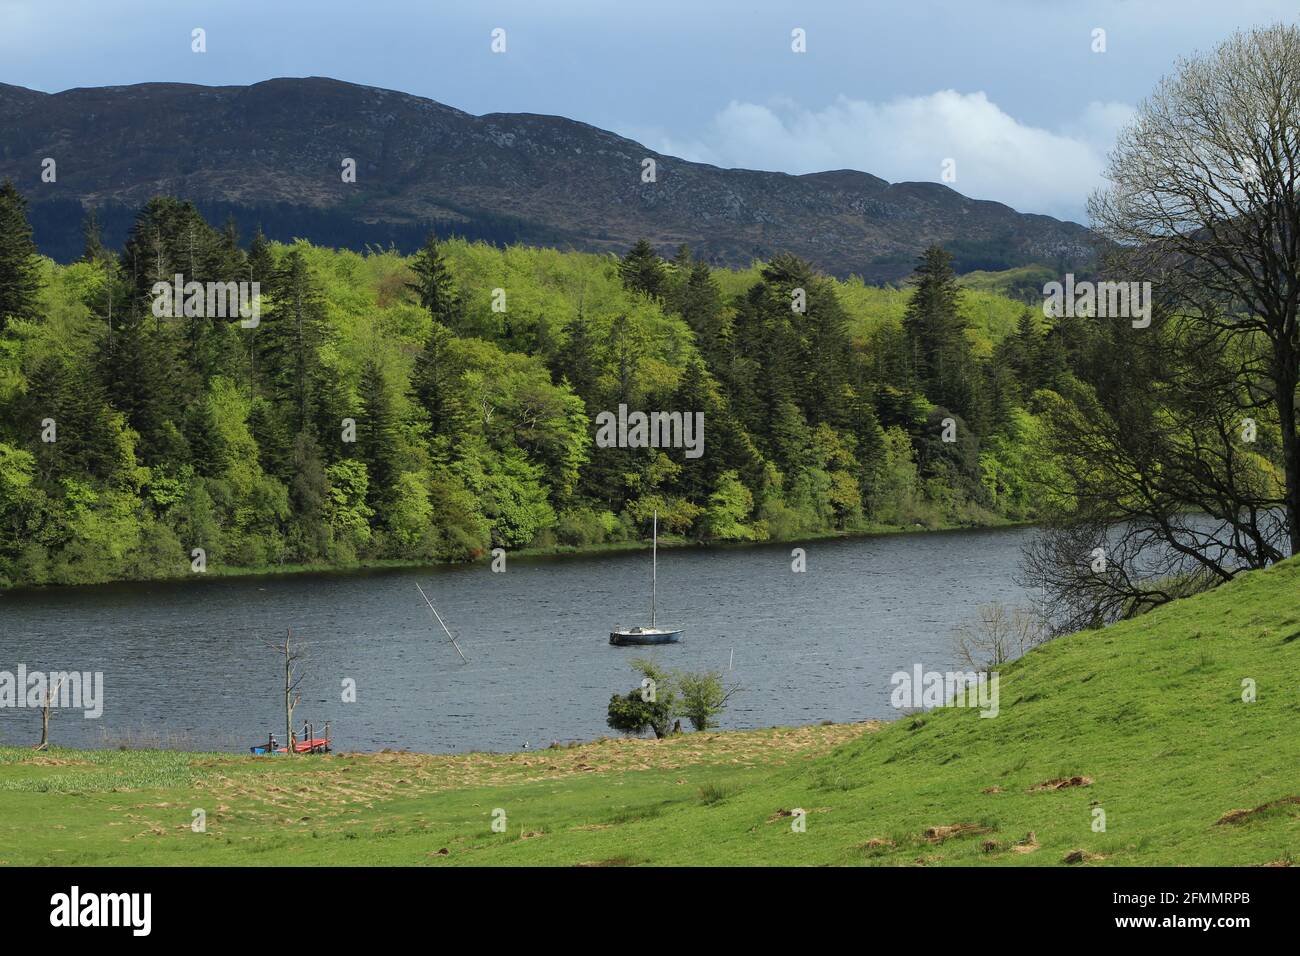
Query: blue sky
(1011, 90)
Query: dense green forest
(436, 406)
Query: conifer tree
(138, 368)
(61, 391)
(19, 262)
(434, 382)
(677, 272)
(261, 264)
(642, 270)
(434, 285)
(288, 336)
(377, 445)
(1022, 353)
(93, 250)
(701, 306)
(577, 361)
(309, 533)
(936, 331)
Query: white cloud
(997, 157)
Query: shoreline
(604, 741)
(528, 554)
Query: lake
(185, 663)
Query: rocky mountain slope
(263, 149)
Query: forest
(436, 406)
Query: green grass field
(1144, 720)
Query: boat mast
(654, 567)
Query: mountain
(272, 152)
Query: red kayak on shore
(307, 745)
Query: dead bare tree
(998, 634)
(293, 656)
(50, 694)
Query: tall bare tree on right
(1182, 458)
(294, 656)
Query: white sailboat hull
(645, 635)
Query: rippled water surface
(185, 662)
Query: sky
(1014, 92)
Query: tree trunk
(288, 701)
(45, 715)
(1285, 379)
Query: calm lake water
(186, 661)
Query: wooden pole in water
(440, 621)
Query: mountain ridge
(554, 180)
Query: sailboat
(653, 634)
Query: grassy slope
(1150, 710)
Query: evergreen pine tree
(288, 337)
(61, 391)
(642, 270)
(677, 273)
(868, 436)
(94, 250)
(434, 284)
(936, 331)
(202, 435)
(625, 350)
(271, 427)
(434, 382)
(700, 306)
(1026, 347)
(137, 366)
(377, 444)
(309, 533)
(19, 262)
(261, 264)
(1054, 358)
(577, 361)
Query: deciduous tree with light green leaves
(380, 410)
